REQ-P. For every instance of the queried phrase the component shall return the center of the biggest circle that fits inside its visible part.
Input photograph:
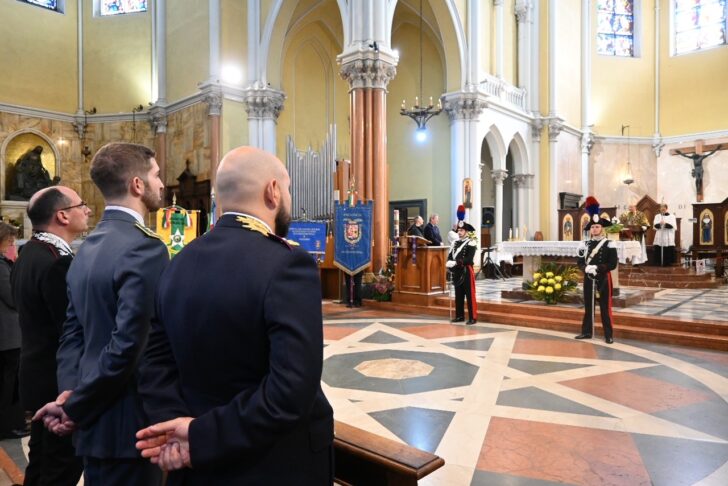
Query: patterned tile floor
(512, 406)
(683, 304)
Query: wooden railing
(363, 458)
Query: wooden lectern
(420, 275)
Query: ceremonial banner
(353, 233)
(311, 235)
(177, 227)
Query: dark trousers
(357, 288)
(603, 285)
(664, 255)
(11, 413)
(465, 286)
(120, 472)
(52, 459)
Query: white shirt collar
(250, 216)
(137, 216)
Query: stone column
(263, 106)
(213, 98)
(555, 126)
(587, 139)
(368, 74)
(499, 47)
(499, 175)
(523, 10)
(158, 120)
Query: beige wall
(188, 47)
(38, 56)
(316, 94)
(418, 170)
(188, 138)
(234, 126)
(117, 61)
(234, 37)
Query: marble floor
(512, 406)
(682, 304)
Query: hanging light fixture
(628, 178)
(421, 113)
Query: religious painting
(568, 228)
(468, 193)
(584, 222)
(706, 227)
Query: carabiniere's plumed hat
(461, 216)
(592, 208)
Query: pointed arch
(497, 147)
(519, 152)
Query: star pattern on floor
(615, 404)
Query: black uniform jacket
(111, 286)
(464, 257)
(239, 346)
(39, 288)
(605, 259)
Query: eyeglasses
(82, 204)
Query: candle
(439, 104)
(516, 232)
(403, 105)
(510, 233)
(430, 100)
(417, 101)
(525, 232)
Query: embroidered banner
(177, 227)
(311, 235)
(353, 236)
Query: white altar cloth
(626, 250)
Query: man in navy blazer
(239, 347)
(111, 285)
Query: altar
(532, 251)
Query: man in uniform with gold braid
(234, 366)
(460, 263)
(597, 260)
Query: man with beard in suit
(111, 285)
(58, 216)
(238, 352)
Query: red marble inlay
(561, 453)
(435, 331)
(335, 333)
(645, 394)
(555, 347)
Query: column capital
(499, 175)
(556, 125)
(587, 142)
(367, 70)
(464, 105)
(79, 124)
(522, 180)
(263, 102)
(657, 144)
(524, 11)
(158, 119)
(212, 95)
(537, 125)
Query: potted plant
(552, 282)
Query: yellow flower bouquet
(552, 282)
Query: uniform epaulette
(253, 225)
(148, 232)
(288, 244)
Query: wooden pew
(362, 457)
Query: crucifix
(698, 154)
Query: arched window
(615, 28)
(699, 24)
(118, 7)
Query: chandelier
(421, 114)
(628, 178)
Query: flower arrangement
(616, 226)
(382, 288)
(552, 282)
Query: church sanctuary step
(700, 334)
(666, 277)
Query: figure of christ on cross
(697, 156)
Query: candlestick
(516, 232)
(510, 233)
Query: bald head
(243, 175)
(44, 203)
(255, 182)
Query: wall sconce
(628, 178)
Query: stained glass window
(116, 7)
(49, 4)
(615, 27)
(699, 24)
